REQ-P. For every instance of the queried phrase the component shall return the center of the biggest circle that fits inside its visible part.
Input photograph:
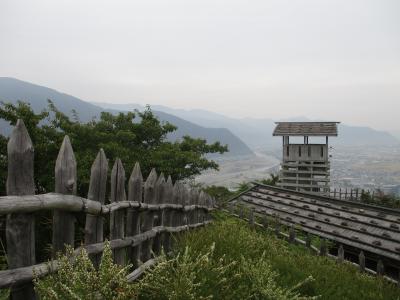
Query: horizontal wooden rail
(25, 274)
(72, 203)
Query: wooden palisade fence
(290, 236)
(141, 223)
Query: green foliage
(242, 187)
(380, 199)
(273, 180)
(77, 278)
(234, 239)
(207, 275)
(133, 136)
(220, 193)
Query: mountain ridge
(257, 132)
(13, 90)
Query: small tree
(132, 136)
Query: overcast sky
(336, 60)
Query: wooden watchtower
(305, 166)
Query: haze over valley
(361, 156)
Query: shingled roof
(306, 129)
(366, 227)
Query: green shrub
(77, 278)
(235, 239)
(206, 275)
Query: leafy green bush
(205, 275)
(77, 278)
(235, 240)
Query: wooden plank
(97, 192)
(117, 218)
(160, 195)
(148, 216)
(65, 183)
(168, 214)
(20, 228)
(177, 198)
(135, 193)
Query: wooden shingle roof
(368, 228)
(306, 129)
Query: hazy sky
(337, 60)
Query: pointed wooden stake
(168, 214)
(148, 216)
(20, 228)
(159, 215)
(117, 224)
(135, 193)
(97, 192)
(65, 183)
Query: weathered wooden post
(160, 195)
(265, 221)
(341, 254)
(20, 228)
(361, 261)
(169, 188)
(148, 216)
(323, 249)
(202, 202)
(334, 193)
(135, 192)
(194, 197)
(97, 192)
(207, 203)
(308, 240)
(65, 183)
(166, 220)
(277, 227)
(117, 218)
(380, 268)
(241, 212)
(292, 235)
(186, 202)
(251, 217)
(210, 204)
(177, 214)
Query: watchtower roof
(306, 129)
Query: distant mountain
(257, 133)
(12, 90)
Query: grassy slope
(294, 264)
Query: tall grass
(256, 264)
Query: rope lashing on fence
(151, 211)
